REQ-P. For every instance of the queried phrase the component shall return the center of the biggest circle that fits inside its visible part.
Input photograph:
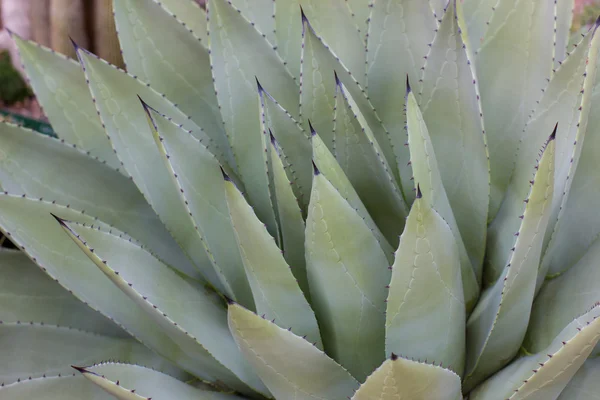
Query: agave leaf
(362, 159)
(291, 222)
(497, 326)
(410, 379)
(563, 17)
(289, 365)
(28, 294)
(452, 113)
(276, 292)
(197, 174)
(439, 7)
(427, 174)
(54, 388)
(33, 349)
(240, 55)
(329, 167)
(347, 272)
(294, 142)
(477, 17)
(191, 15)
(360, 11)
(562, 299)
(288, 32)
(544, 375)
(43, 167)
(60, 87)
(126, 123)
(261, 13)
(513, 64)
(187, 312)
(147, 34)
(134, 382)
(585, 384)
(425, 317)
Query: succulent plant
(308, 199)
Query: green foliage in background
(12, 86)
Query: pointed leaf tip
(225, 176)
(419, 194)
(312, 129)
(337, 80)
(553, 135)
(80, 369)
(273, 140)
(394, 357)
(259, 86)
(229, 300)
(75, 45)
(315, 169)
(303, 16)
(408, 88)
(59, 220)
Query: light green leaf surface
(563, 12)
(161, 51)
(43, 167)
(60, 87)
(54, 388)
(27, 294)
(134, 382)
(239, 56)
(360, 11)
(198, 177)
(452, 112)
(347, 274)
(189, 313)
(497, 326)
(513, 65)
(544, 375)
(438, 7)
(276, 292)
(408, 379)
(477, 17)
(191, 14)
(261, 13)
(289, 365)
(585, 384)
(126, 123)
(288, 32)
(425, 317)
(360, 155)
(427, 176)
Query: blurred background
(90, 24)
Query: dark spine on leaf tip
(225, 176)
(315, 169)
(408, 88)
(312, 129)
(553, 135)
(419, 194)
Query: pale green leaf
(563, 13)
(585, 384)
(427, 176)
(359, 154)
(239, 56)
(60, 87)
(408, 379)
(161, 51)
(191, 15)
(27, 294)
(288, 31)
(425, 317)
(347, 274)
(477, 17)
(290, 366)
(360, 11)
(189, 313)
(328, 166)
(513, 65)
(544, 375)
(198, 177)
(261, 13)
(439, 6)
(276, 292)
(452, 113)
(497, 326)
(43, 167)
(134, 382)
(54, 388)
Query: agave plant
(308, 199)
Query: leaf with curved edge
(190, 314)
(439, 6)
(199, 179)
(54, 388)
(360, 156)
(563, 13)
(239, 55)
(425, 317)
(291, 222)
(497, 326)
(399, 34)
(60, 87)
(513, 65)
(544, 375)
(115, 92)
(360, 11)
(294, 143)
(427, 174)
(562, 299)
(43, 167)
(191, 15)
(161, 51)
(452, 113)
(29, 295)
(328, 166)
(477, 17)
(289, 365)
(585, 384)
(261, 13)
(30, 225)
(288, 33)
(34, 349)
(276, 292)
(347, 273)
(410, 379)
(134, 382)
(565, 101)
